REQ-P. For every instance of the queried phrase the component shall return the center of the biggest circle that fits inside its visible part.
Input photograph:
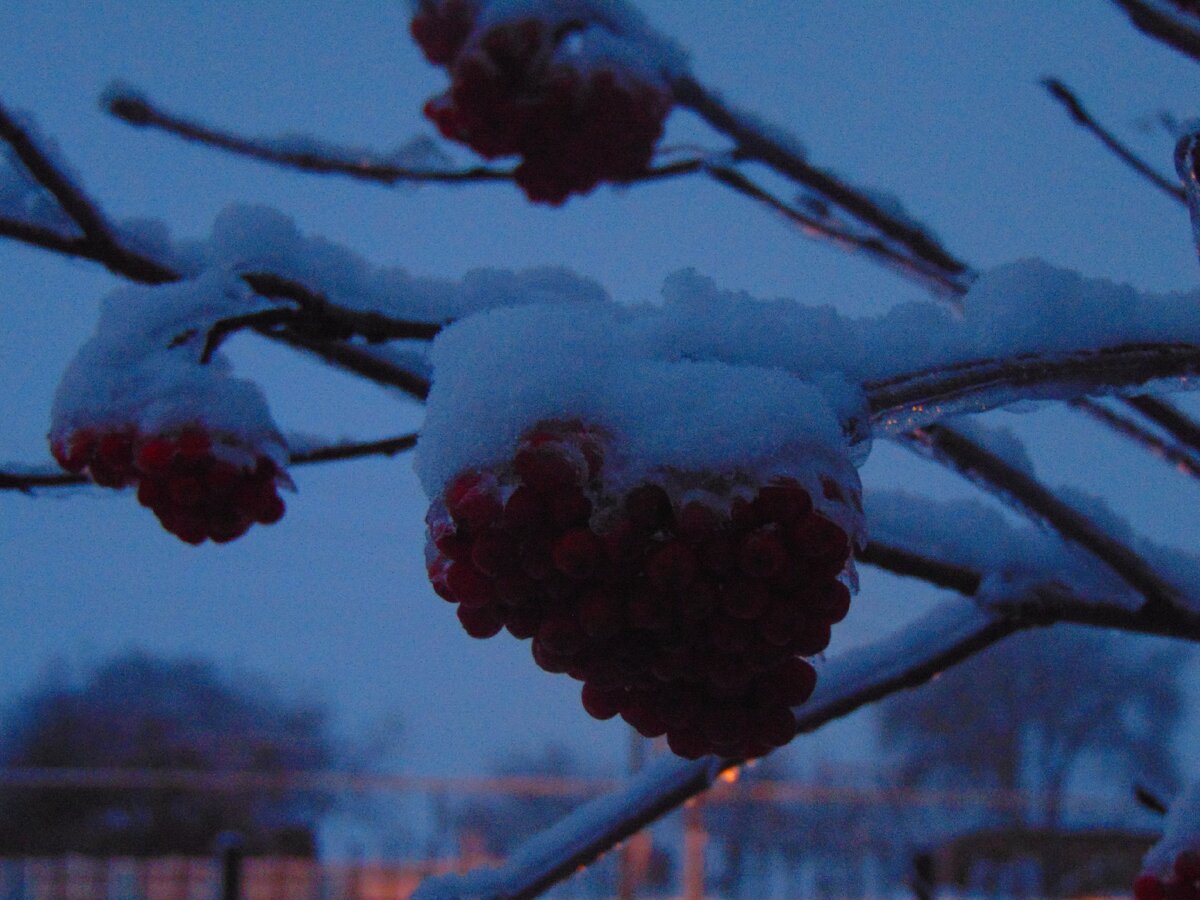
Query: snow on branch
(975, 462)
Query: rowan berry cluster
(515, 92)
(185, 477)
(1182, 884)
(686, 610)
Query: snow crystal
(142, 369)
(1182, 832)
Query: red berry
(1187, 866)
(578, 554)
(545, 469)
(480, 621)
(671, 567)
(1149, 887)
(468, 586)
(648, 508)
(795, 680)
(774, 726)
(156, 454)
(601, 702)
(783, 502)
(761, 555)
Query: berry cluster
(182, 477)
(1182, 884)
(683, 609)
(512, 93)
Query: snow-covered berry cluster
(684, 603)
(202, 486)
(571, 98)
(1183, 883)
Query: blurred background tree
(142, 712)
(1028, 714)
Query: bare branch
(1028, 495)
(908, 401)
(1184, 461)
(100, 236)
(137, 110)
(359, 360)
(754, 143)
(326, 320)
(1064, 95)
(932, 278)
(1165, 23)
(338, 452)
(1168, 417)
(49, 477)
(913, 564)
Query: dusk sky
(936, 103)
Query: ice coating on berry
(683, 602)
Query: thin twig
(49, 478)
(98, 232)
(1170, 26)
(755, 143)
(1064, 95)
(933, 279)
(914, 564)
(1184, 461)
(1168, 417)
(360, 361)
(1032, 498)
(325, 319)
(137, 110)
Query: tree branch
(137, 110)
(932, 278)
(1034, 500)
(1168, 417)
(1169, 25)
(907, 401)
(48, 477)
(99, 235)
(1183, 460)
(1064, 95)
(753, 142)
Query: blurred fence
(183, 878)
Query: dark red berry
(601, 702)
(480, 621)
(671, 567)
(470, 587)
(578, 554)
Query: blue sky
(935, 103)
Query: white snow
(255, 238)
(498, 374)
(141, 369)
(1181, 832)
